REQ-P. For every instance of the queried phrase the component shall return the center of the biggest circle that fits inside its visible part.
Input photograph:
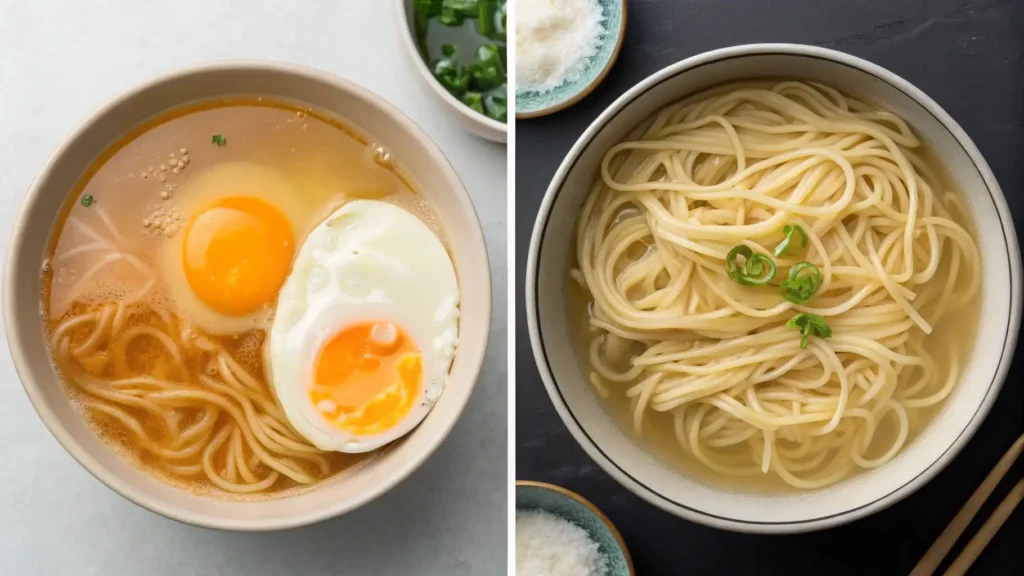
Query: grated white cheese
(554, 40)
(547, 545)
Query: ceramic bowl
(471, 120)
(417, 157)
(570, 506)
(664, 485)
(533, 104)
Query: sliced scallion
(756, 269)
(804, 280)
(788, 231)
(809, 325)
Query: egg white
(369, 261)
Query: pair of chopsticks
(934, 556)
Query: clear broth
(958, 328)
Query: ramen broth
(956, 331)
(132, 197)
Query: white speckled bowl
(416, 156)
(478, 124)
(665, 486)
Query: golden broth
(958, 329)
(138, 197)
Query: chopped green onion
(809, 325)
(424, 10)
(450, 17)
(788, 231)
(467, 8)
(496, 107)
(757, 269)
(800, 288)
(87, 200)
(478, 79)
(487, 71)
(219, 140)
(474, 100)
(453, 77)
(485, 17)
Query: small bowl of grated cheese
(560, 533)
(564, 49)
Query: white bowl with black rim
(663, 484)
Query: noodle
(676, 334)
(223, 426)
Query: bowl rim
(593, 84)
(590, 506)
(408, 39)
(18, 348)
(835, 57)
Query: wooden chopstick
(987, 531)
(933, 557)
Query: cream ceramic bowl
(417, 157)
(663, 485)
(478, 124)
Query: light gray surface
(60, 60)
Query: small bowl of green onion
(458, 47)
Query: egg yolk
(367, 378)
(236, 254)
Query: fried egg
(241, 223)
(366, 328)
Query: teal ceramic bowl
(531, 104)
(571, 506)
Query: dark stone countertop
(969, 57)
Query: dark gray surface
(968, 56)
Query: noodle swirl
(224, 426)
(673, 333)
